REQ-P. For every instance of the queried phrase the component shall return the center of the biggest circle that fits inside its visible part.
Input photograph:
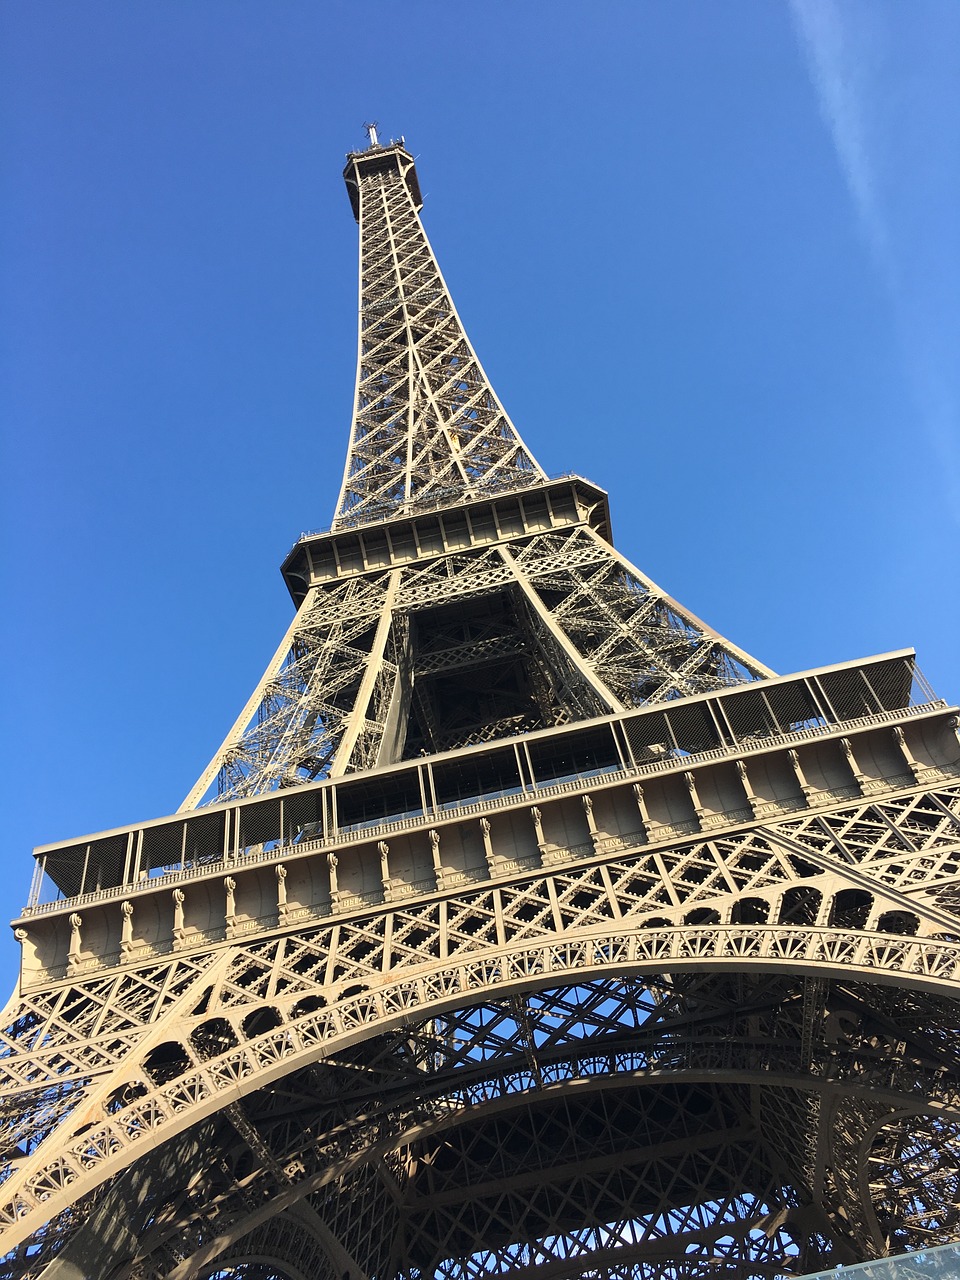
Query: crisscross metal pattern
(599, 636)
(689, 1013)
(427, 427)
(682, 968)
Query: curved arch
(899, 921)
(850, 908)
(453, 1113)
(897, 1117)
(750, 910)
(255, 1267)
(105, 1148)
(799, 905)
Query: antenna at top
(371, 128)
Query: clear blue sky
(708, 253)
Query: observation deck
(392, 158)
(439, 526)
(651, 776)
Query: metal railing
(452, 499)
(478, 806)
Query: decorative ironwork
(533, 927)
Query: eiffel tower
(521, 925)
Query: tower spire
(428, 429)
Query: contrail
(839, 82)
(839, 42)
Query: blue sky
(708, 254)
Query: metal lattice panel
(261, 1011)
(428, 427)
(591, 634)
(572, 942)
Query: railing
(479, 806)
(450, 498)
(762, 742)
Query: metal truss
(668, 995)
(350, 687)
(738, 1048)
(427, 425)
(587, 632)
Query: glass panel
(473, 777)
(580, 755)
(931, 1264)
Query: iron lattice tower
(521, 924)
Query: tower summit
(522, 925)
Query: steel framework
(521, 925)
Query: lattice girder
(427, 424)
(418, 959)
(538, 929)
(594, 635)
(595, 1036)
(659, 884)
